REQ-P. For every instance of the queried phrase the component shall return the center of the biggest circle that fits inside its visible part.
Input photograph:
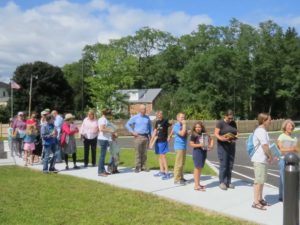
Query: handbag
(63, 139)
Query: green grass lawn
(30, 197)
(127, 159)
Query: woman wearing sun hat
(68, 142)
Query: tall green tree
(113, 69)
(76, 74)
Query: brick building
(136, 97)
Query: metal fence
(244, 126)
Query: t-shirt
(162, 129)
(104, 135)
(196, 139)
(226, 128)
(260, 138)
(179, 141)
(287, 140)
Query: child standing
(200, 142)
(29, 143)
(10, 137)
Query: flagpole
(12, 100)
(30, 90)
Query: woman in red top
(69, 130)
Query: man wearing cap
(49, 135)
(140, 127)
(43, 117)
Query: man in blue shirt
(180, 143)
(58, 122)
(140, 127)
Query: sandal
(202, 186)
(264, 202)
(199, 188)
(258, 206)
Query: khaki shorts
(260, 172)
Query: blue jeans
(47, 150)
(226, 154)
(281, 163)
(103, 148)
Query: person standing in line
(10, 138)
(201, 142)
(49, 134)
(261, 158)
(58, 122)
(140, 127)
(104, 137)
(37, 142)
(226, 132)
(286, 142)
(69, 129)
(29, 140)
(180, 144)
(89, 131)
(43, 117)
(160, 133)
(19, 128)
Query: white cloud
(57, 32)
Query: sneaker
(53, 170)
(223, 186)
(67, 167)
(145, 169)
(181, 182)
(184, 180)
(107, 173)
(76, 167)
(231, 186)
(167, 176)
(159, 174)
(137, 170)
(102, 174)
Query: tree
(76, 74)
(113, 70)
(49, 88)
(4, 114)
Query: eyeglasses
(230, 118)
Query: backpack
(250, 148)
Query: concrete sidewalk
(233, 202)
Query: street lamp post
(30, 95)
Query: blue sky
(220, 11)
(57, 31)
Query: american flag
(14, 85)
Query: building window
(4, 93)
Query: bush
(4, 114)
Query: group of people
(226, 133)
(54, 135)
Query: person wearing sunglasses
(226, 133)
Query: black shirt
(195, 138)
(162, 129)
(226, 127)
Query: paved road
(243, 168)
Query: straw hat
(69, 116)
